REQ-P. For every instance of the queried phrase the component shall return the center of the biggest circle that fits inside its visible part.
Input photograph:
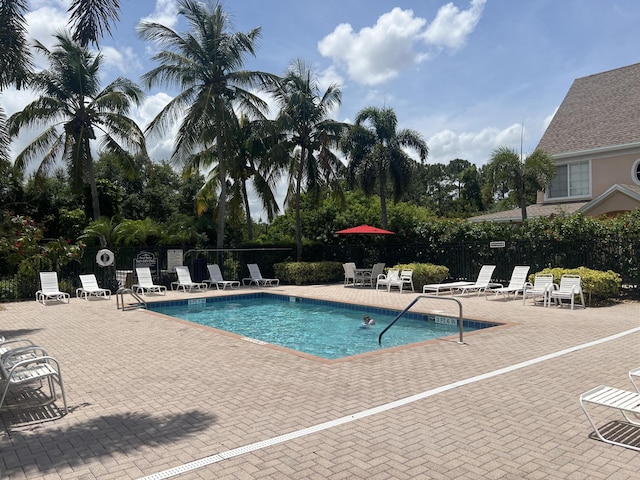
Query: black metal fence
(463, 259)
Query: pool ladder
(460, 321)
(120, 300)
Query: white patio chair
(30, 365)
(482, 282)
(184, 281)
(570, 287)
(541, 288)
(145, 283)
(90, 288)
(516, 283)
(49, 289)
(349, 273)
(256, 278)
(215, 278)
(406, 276)
(392, 277)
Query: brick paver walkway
(149, 393)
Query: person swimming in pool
(367, 321)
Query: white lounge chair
(24, 367)
(541, 288)
(49, 289)
(482, 282)
(90, 288)
(516, 283)
(628, 403)
(255, 277)
(444, 287)
(349, 273)
(215, 278)
(184, 281)
(145, 283)
(569, 288)
(392, 277)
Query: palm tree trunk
(298, 201)
(93, 187)
(383, 200)
(523, 199)
(247, 209)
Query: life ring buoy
(105, 257)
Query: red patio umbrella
(364, 230)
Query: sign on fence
(497, 244)
(146, 259)
(174, 259)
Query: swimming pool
(321, 328)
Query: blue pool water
(325, 329)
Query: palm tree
(251, 162)
(525, 178)
(78, 113)
(205, 64)
(15, 59)
(375, 148)
(90, 19)
(303, 114)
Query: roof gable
(600, 110)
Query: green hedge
(424, 273)
(309, 273)
(596, 284)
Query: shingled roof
(601, 110)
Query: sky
(468, 75)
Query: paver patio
(148, 394)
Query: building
(594, 138)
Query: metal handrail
(460, 321)
(120, 299)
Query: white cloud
(124, 60)
(165, 13)
(452, 26)
(475, 147)
(159, 147)
(377, 54)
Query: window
(572, 180)
(635, 172)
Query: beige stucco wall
(605, 172)
(617, 202)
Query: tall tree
(311, 135)
(90, 19)
(522, 179)
(375, 147)
(252, 162)
(206, 65)
(77, 113)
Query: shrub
(596, 284)
(424, 273)
(306, 273)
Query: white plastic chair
(49, 289)
(392, 277)
(90, 288)
(184, 280)
(349, 273)
(482, 282)
(145, 282)
(215, 278)
(516, 283)
(570, 286)
(255, 277)
(540, 288)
